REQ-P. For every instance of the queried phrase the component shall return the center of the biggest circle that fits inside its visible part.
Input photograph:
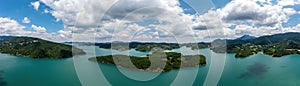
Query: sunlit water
(256, 70)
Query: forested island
(36, 48)
(160, 62)
(276, 45)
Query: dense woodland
(36, 48)
(146, 47)
(161, 62)
(275, 45)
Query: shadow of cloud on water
(255, 70)
(283, 66)
(2, 82)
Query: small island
(36, 48)
(171, 60)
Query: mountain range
(276, 45)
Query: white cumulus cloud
(38, 28)
(101, 19)
(289, 11)
(35, 5)
(26, 20)
(10, 27)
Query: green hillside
(36, 48)
(275, 45)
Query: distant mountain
(2, 38)
(276, 45)
(277, 38)
(246, 37)
(36, 48)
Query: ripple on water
(255, 70)
(2, 82)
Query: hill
(246, 37)
(276, 45)
(36, 48)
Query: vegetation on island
(282, 49)
(159, 62)
(143, 47)
(36, 48)
(275, 45)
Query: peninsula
(36, 48)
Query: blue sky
(18, 9)
(254, 18)
(294, 19)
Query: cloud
(289, 11)
(249, 18)
(25, 20)
(83, 19)
(10, 27)
(101, 19)
(288, 2)
(38, 28)
(200, 27)
(70, 11)
(239, 11)
(260, 14)
(35, 5)
(46, 11)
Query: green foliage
(282, 49)
(246, 50)
(275, 45)
(37, 48)
(146, 47)
(172, 60)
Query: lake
(256, 70)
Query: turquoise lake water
(256, 70)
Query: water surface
(256, 70)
